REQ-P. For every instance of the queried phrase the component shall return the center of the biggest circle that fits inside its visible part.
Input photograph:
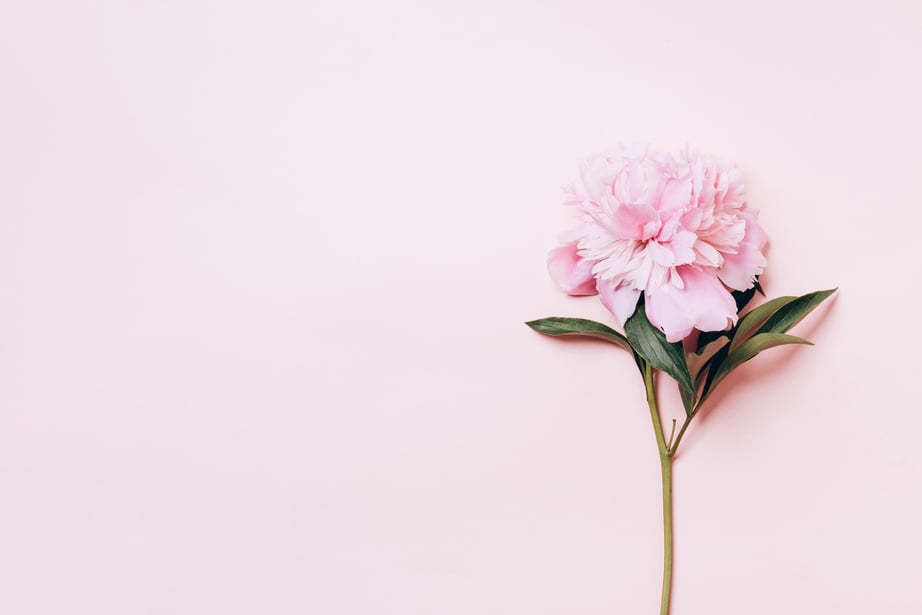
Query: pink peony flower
(675, 228)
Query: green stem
(666, 466)
(674, 445)
(671, 436)
(665, 459)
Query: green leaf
(747, 350)
(755, 318)
(697, 361)
(688, 400)
(706, 337)
(758, 330)
(697, 368)
(756, 344)
(650, 343)
(714, 369)
(558, 326)
(795, 311)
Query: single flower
(673, 227)
(663, 240)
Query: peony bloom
(674, 228)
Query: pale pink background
(263, 272)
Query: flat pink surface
(263, 273)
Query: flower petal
(703, 304)
(572, 274)
(738, 270)
(667, 313)
(620, 301)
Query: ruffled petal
(738, 270)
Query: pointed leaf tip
(557, 326)
(782, 320)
